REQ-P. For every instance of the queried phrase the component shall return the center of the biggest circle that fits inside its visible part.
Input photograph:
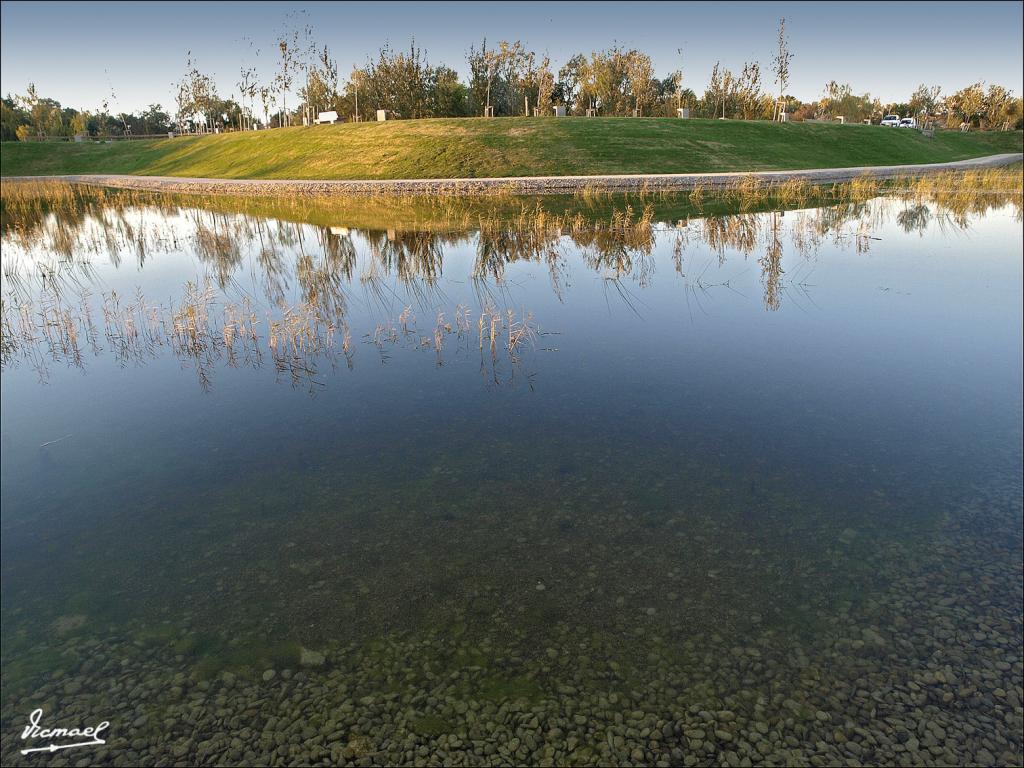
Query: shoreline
(526, 185)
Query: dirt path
(518, 185)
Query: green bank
(474, 148)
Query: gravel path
(520, 184)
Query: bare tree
(780, 66)
(492, 59)
(268, 100)
(121, 115)
(246, 90)
(678, 77)
(356, 79)
(283, 79)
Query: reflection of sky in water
(915, 325)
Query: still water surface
(709, 490)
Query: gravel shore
(928, 672)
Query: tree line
(506, 79)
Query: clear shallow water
(742, 488)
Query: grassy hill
(474, 147)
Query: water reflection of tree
(271, 265)
(771, 265)
(322, 277)
(68, 223)
(500, 245)
(914, 218)
(738, 232)
(304, 272)
(410, 255)
(620, 246)
(218, 243)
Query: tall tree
(1001, 109)
(611, 81)
(295, 49)
(571, 81)
(639, 74)
(748, 91)
(399, 82)
(36, 110)
(545, 86)
(523, 76)
(287, 48)
(153, 119)
(483, 70)
(182, 104)
(501, 77)
(925, 100)
(728, 88)
(720, 93)
(448, 97)
(321, 86)
(195, 95)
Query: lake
(558, 481)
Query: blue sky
(80, 53)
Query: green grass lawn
(474, 147)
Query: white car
(908, 122)
(891, 121)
